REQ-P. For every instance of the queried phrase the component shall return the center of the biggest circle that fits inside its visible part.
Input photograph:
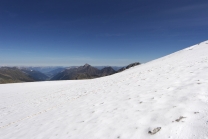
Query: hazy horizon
(63, 66)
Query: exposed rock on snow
(180, 118)
(154, 131)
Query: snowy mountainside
(165, 98)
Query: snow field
(170, 93)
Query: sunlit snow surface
(126, 105)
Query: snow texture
(167, 97)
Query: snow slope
(170, 93)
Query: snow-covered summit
(164, 98)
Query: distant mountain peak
(86, 65)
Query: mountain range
(35, 75)
(13, 75)
(83, 72)
(31, 74)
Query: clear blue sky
(98, 32)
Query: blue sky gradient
(110, 32)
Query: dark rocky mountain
(113, 67)
(87, 69)
(87, 72)
(35, 75)
(100, 67)
(13, 75)
(116, 68)
(107, 71)
(82, 72)
(129, 66)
